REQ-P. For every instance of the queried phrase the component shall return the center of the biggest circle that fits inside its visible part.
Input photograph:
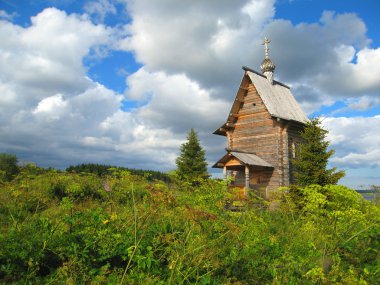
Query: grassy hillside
(120, 228)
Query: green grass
(81, 228)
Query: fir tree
(312, 157)
(191, 162)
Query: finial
(267, 66)
(266, 48)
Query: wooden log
(246, 179)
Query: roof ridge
(262, 75)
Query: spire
(267, 66)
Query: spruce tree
(191, 162)
(312, 157)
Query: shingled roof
(277, 98)
(244, 158)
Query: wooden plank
(233, 162)
(251, 119)
(254, 124)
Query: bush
(8, 167)
(68, 228)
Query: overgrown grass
(73, 228)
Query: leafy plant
(120, 228)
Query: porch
(248, 172)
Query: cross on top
(266, 48)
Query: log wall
(257, 132)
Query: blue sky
(121, 82)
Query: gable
(238, 158)
(277, 100)
(247, 103)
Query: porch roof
(244, 158)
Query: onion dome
(267, 65)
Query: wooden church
(263, 131)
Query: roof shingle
(278, 99)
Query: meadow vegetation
(121, 228)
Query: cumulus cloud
(356, 141)
(48, 103)
(207, 40)
(46, 58)
(209, 43)
(191, 56)
(363, 103)
(175, 102)
(54, 114)
(7, 16)
(100, 9)
(51, 107)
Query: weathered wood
(252, 129)
(246, 178)
(233, 162)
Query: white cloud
(191, 56)
(100, 9)
(363, 103)
(356, 141)
(51, 107)
(175, 102)
(208, 43)
(6, 16)
(206, 40)
(102, 142)
(48, 103)
(46, 58)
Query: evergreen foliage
(191, 162)
(312, 157)
(103, 170)
(8, 166)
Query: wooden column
(225, 172)
(246, 179)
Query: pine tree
(191, 162)
(312, 157)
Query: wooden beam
(246, 180)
